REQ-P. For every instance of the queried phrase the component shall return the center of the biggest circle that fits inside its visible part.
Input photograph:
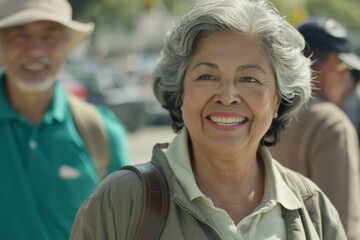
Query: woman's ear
(278, 101)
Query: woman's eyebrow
(211, 65)
(240, 68)
(247, 66)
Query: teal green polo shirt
(45, 170)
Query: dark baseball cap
(326, 34)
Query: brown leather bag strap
(156, 201)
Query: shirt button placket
(33, 145)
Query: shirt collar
(178, 156)
(279, 191)
(276, 189)
(59, 105)
(56, 111)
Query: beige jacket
(322, 145)
(113, 211)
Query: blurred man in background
(54, 149)
(322, 144)
(352, 104)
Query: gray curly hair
(258, 18)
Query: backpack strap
(93, 132)
(156, 201)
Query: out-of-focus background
(113, 66)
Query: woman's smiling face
(230, 94)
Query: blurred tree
(294, 10)
(147, 4)
(125, 14)
(78, 7)
(113, 12)
(122, 12)
(344, 11)
(121, 15)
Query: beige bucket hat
(19, 12)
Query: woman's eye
(249, 80)
(206, 77)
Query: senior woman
(231, 74)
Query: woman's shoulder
(119, 184)
(298, 182)
(317, 205)
(116, 204)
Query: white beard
(34, 86)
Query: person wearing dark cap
(46, 169)
(352, 105)
(322, 143)
(329, 45)
(328, 40)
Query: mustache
(37, 60)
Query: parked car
(155, 113)
(107, 87)
(142, 69)
(72, 86)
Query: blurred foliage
(294, 10)
(107, 12)
(344, 11)
(124, 15)
(126, 12)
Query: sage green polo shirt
(265, 222)
(45, 170)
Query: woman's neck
(235, 185)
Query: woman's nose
(227, 94)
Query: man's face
(32, 54)
(334, 80)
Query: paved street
(142, 141)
